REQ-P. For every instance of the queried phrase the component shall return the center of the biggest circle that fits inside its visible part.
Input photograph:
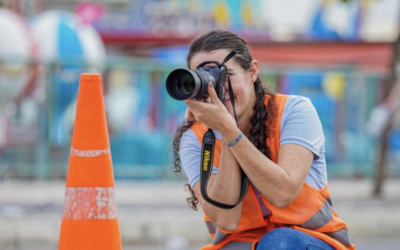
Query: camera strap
(207, 153)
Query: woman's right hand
(189, 116)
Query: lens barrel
(183, 84)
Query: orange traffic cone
(89, 218)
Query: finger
(195, 104)
(193, 100)
(189, 101)
(207, 100)
(212, 93)
(201, 99)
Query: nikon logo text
(206, 159)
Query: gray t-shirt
(300, 125)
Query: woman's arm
(223, 187)
(279, 182)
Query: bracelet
(236, 140)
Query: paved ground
(154, 215)
(362, 245)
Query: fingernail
(210, 85)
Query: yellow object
(247, 15)
(221, 14)
(334, 84)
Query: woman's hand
(211, 112)
(189, 116)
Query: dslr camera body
(183, 84)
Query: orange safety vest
(311, 211)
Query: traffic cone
(89, 218)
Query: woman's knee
(280, 238)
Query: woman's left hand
(213, 114)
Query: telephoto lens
(183, 84)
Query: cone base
(90, 234)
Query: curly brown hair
(262, 115)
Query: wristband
(236, 140)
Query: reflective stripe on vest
(264, 209)
(238, 245)
(341, 235)
(322, 217)
(219, 236)
(212, 228)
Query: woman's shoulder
(188, 139)
(283, 100)
(199, 128)
(300, 111)
(278, 97)
(298, 102)
(284, 103)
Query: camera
(183, 84)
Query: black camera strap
(207, 152)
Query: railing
(142, 118)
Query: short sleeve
(190, 155)
(301, 125)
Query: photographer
(278, 143)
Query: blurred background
(343, 55)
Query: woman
(279, 145)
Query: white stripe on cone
(88, 153)
(83, 203)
